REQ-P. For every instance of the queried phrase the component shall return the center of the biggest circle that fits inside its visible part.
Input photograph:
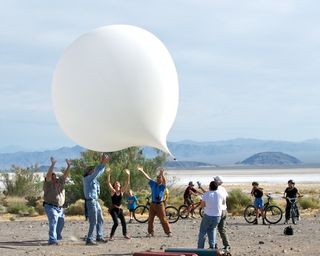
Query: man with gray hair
(222, 223)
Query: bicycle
(272, 213)
(141, 212)
(294, 213)
(184, 209)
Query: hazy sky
(246, 68)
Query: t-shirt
(157, 191)
(291, 192)
(257, 193)
(132, 202)
(54, 193)
(213, 201)
(224, 193)
(188, 192)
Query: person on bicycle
(187, 196)
(290, 192)
(157, 207)
(257, 192)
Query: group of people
(54, 199)
(290, 192)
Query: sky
(247, 69)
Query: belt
(51, 205)
(157, 202)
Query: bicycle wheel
(172, 214)
(273, 214)
(141, 213)
(201, 212)
(249, 214)
(293, 215)
(183, 211)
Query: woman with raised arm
(116, 192)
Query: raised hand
(53, 161)
(127, 171)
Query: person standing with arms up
(157, 207)
(54, 198)
(116, 192)
(91, 189)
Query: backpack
(288, 231)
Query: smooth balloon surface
(116, 87)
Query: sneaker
(130, 221)
(101, 240)
(169, 234)
(127, 237)
(255, 222)
(91, 243)
(227, 248)
(111, 238)
(286, 222)
(149, 235)
(215, 246)
(53, 243)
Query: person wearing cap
(290, 192)
(212, 203)
(91, 189)
(157, 207)
(54, 198)
(187, 196)
(224, 214)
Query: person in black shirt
(116, 192)
(290, 192)
(257, 192)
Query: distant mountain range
(188, 153)
(271, 159)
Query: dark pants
(222, 228)
(115, 214)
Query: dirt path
(28, 237)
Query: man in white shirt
(224, 214)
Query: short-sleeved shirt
(224, 193)
(213, 203)
(157, 191)
(188, 192)
(257, 193)
(291, 193)
(132, 202)
(54, 193)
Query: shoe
(215, 246)
(227, 248)
(53, 243)
(101, 240)
(149, 235)
(111, 238)
(127, 237)
(169, 234)
(255, 222)
(286, 222)
(91, 243)
(130, 221)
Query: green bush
(17, 208)
(77, 208)
(32, 212)
(39, 207)
(3, 209)
(309, 203)
(237, 201)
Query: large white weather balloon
(116, 87)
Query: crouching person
(54, 198)
(91, 189)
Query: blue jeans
(56, 222)
(95, 219)
(208, 226)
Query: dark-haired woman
(116, 192)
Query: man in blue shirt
(157, 207)
(91, 189)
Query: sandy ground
(28, 237)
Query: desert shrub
(39, 207)
(3, 209)
(32, 200)
(76, 208)
(32, 212)
(18, 208)
(309, 203)
(237, 201)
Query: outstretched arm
(67, 171)
(140, 169)
(112, 190)
(125, 187)
(164, 181)
(50, 170)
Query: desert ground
(28, 236)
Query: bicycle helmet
(291, 182)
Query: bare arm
(140, 169)
(125, 187)
(50, 170)
(164, 181)
(67, 171)
(112, 190)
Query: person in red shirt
(187, 196)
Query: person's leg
(203, 231)
(114, 215)
(288, 206)
(161, 213)
(92, 216)
(222, 229)
(123, 223)
(100, 221)
(152, 214)
(60, 224)
(53, 220)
